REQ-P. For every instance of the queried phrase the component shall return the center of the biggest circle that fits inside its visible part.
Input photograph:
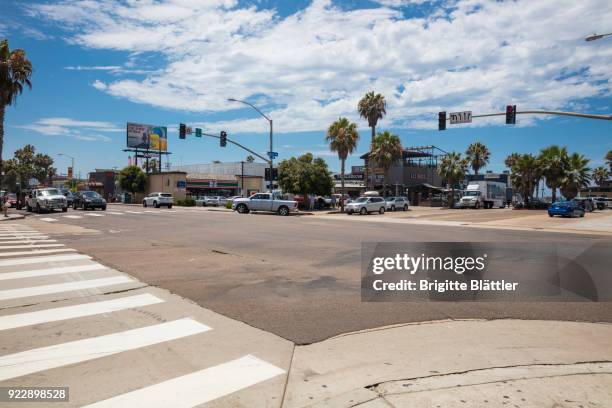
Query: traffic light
(182, 131)
(274, 174)
(223, 139)
(198, 132)
(442, 121)
(511, 115)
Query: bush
(186, 202)
(228, 205)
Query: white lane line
(114, 212)
(31, 246)
(135, 212)
(72, 312)
(24, 233)
(46, 219)
(45, 358)
(73, 217)
(28, 241)
(62, 287)
(42, 259)
(32, 237)
(197, 388)
(39, 251)
(94, 215)
(51, 271)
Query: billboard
(147, 137)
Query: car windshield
(166, 195)
(91, 194)
(361, 200)
(390, 198)
(50, 192)
(472, 193)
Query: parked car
(586, 203)
(264, 202)
(208, 200)
(46, 199)
(566, 209)
(88, 199)
(366, 205)
(158, 200)
(12, 200)
(69, 196)
(397, 203)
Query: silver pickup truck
(46, 199)
(264, 202)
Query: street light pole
(270, 155)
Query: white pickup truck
(264, 202)
(485, 194)
(46, 199)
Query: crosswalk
(135, 211)
(63, 314)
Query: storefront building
(224, 179)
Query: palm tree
(512, 159)
(577, 176)
(609, 159)
(526, 173)
(342, 137)
(386, 150)
(554, 164)
(452, 168)
(372, 107)
(15, 72)
(477, 155)
(600, 175)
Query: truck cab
(484, 194)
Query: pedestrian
(5, 201)
(333, 202)
(312, 202)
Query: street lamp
(270, 155)
(597, 37)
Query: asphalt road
(298, 276)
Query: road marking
(27, 238)
(46, 219)
(42, 259)
(62, 287)
(31, 246)
(40, 251)
(45, 358)
(114, 212)
(199, 387)
(24, 233)
(94, 215)
(51, 271)
(74, 217)
(72, 312)
(27, 241)
(134, 212)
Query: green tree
(15, 72)
(554, 160)
(577, 176)
(511, 159)
(342, 137)
(525, 175)
(386, 150)
(372, 107)
(600, 175)
(305, 175)
(27, 164)
(477, 155)
(132, 179)
(452, 168)
(609, 159)
(250, 159)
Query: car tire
(363, 211)
(382, 210)
(581, 215)
(242, 209)
(74, 206)
(550, 215)
(64, 209)
(155, 205)
(103, 208)
(393, 208)
(405, 207)
(170, 206)
(350, 212)
(144, 203)
(37, 208)
(283, 210)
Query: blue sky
(102, 63)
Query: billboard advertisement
(147, 137)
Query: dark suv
(87, 200)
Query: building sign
(349, 176)
(181, 184)
(357, 169)
(147, 137)
(418, 176)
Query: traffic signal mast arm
(544, 112)
(239, 145)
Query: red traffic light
(510, 114)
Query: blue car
(566, 209)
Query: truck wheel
(382, 210)
(284, 211)
(242, 209)
(37, 208)
(363, 211)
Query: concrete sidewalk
(472, 363)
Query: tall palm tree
(15, 72)
(512, 159)
(577, 176)
(342, 137)
(477, 156)
(386, 150)
(609, 159)
(554, 164)
(452, 169)
(372, 107)
(526, 173)
(600, 175)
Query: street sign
(460, 117)
(272, 155)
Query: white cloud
(78, 129)
(309, 68)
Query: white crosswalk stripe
(27, 274)
(47, 219)
(73, 217)
(94, 215)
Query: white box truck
(484, 194)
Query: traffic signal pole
(240, 146)
(544, 112)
